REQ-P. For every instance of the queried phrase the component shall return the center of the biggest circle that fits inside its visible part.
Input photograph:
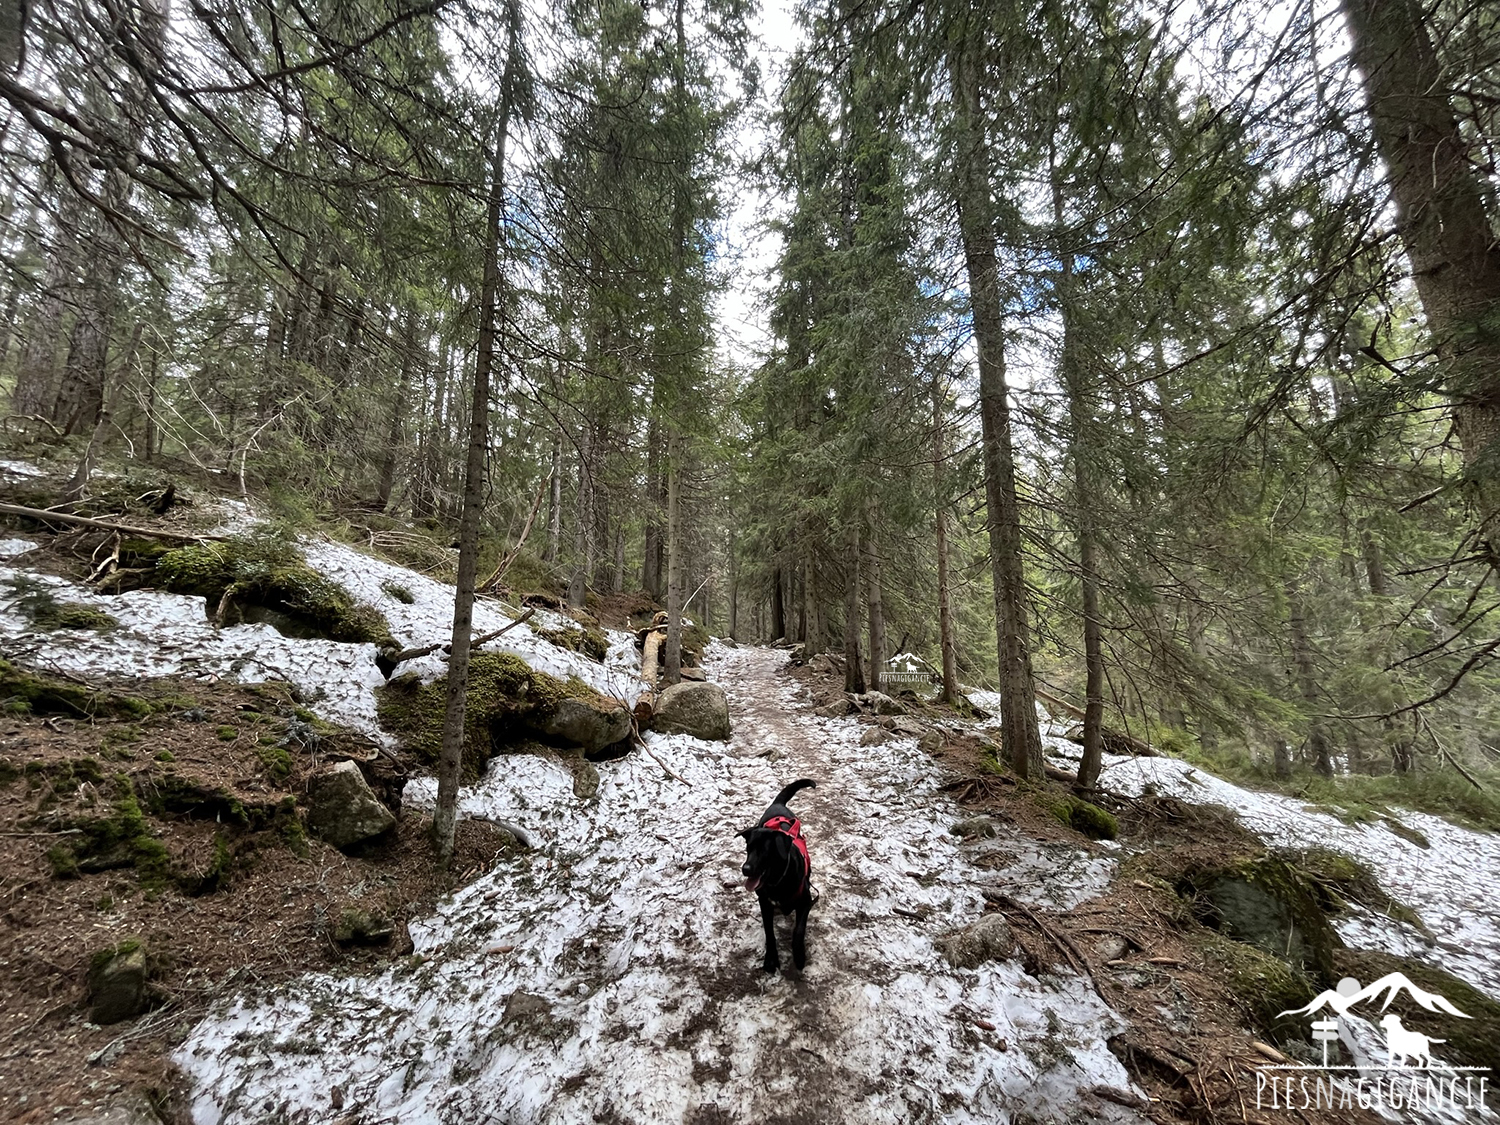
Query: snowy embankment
(163, 634)
(1452, 884)
(615, 973)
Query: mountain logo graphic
(1399, 1042)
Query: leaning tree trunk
(397, 421)
(445, 815)
(1022, 737)
(1444, 225)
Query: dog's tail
(792, 790)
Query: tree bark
(491, 307)
(854, 674)
(672, 657)
(554, 505)
(940, 537)
(876, 602)
(398, 412)
(1020, 732)
(1445, 226)
(1302, 661)
(778, 605)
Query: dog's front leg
(768, 919)
(799, 934)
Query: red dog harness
(790, 826)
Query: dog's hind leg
(799, 934)
(768, 919)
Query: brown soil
(273, 918)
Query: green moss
(267, 574)
(215, 877)
(275, 759)
(165, 756)
(9, 771)
(289, 826)
(502, 690)
(227, 734)
(589, 640)
(1262, 984)
(399, 592)
(40, 606)
(25, 692)
(1080, 815)
(1342, 879)
(1268, 902)
(63, 862)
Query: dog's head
(768, 855)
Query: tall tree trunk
(1444, 224)
(655, 503)
(1074, 381)
(491, 307)
(151, 439)
(554, 507)
(815, 639)
(398, 412)
(672, 651)
(1022, 737)
(1306, 672)
(583, 531)
(778, 605)
(854, 673)
(876, 602)
(940, 536)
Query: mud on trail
(614, 974)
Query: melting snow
(1451, 885)
(633, 990)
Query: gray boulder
(342, 810)
(873, 736)
(930, 743)
(696, 709)
(823, 664)
(119, 984)
(582, 723)
(835, 710)
(988, 939)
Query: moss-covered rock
(1081, 816)
(1343, 879)
(119, 983)
(587, 639)
(262, 578)
(507, 701)
(1469, 1042)
(1270, 903)
(1262, 984)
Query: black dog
(778, 871)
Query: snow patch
(1452, 885)
(10, 548)
(615, 972)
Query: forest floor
(616, 976)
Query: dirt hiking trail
(614, 973)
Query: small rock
(119, 983)
(798, 654)
(873, 736)
(881, 704)
(835, 710)
(930, 743)
(699, 710)
(585, 778)
(974, 827)
(905, 726)
(1111, 947)
(342, 810)
(696, 675)
(988, 939)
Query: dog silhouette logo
(1400, 1043)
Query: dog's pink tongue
(753, 883)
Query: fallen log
(43, 515)
(651, 655)
(1116, 742)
